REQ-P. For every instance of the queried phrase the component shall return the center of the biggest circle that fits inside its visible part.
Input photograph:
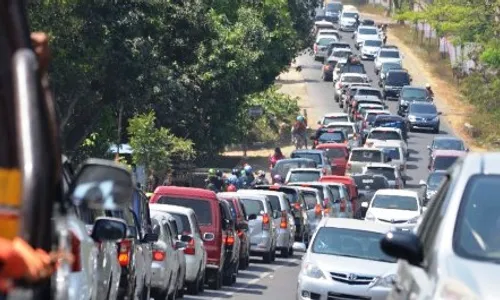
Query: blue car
(393, 121)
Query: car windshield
(353, 243)
(392, 152)
(335, 152)
(373, 43)
(395, 202)
(448, 144)
(478, 221)
(366, 156)
(368, 22)
(410, 94)
(325, 41)
(283, 167)
(341, 53)
(423, 109)
(372, 116)
(182, 223)
(435, 179)
(368, 31)
(201, 207)
(314, 156)
(326, 137)
(355, 69)
(384, 135)
(310, 199)
(349, 15)
(353, 79)
(334, 7)
(397, 78)
(366, 92)
(386, 172)
(444, 162)
(252, 206)
(391, 66)
(370, 182)
(328, 120)
(304, 176)
(348, 128)
(389, 54)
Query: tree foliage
(193, 62)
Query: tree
(156, 147)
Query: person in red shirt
(299, 130)
(278, 155)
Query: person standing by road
(277, 155)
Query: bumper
(192, 268)
(261, 243)
(346, 27)
(324, 289)
(284, 239)
(392, 93)
(424, 124)
(367, 56)
(159, 275)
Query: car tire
(285, 252)
(216, 284)
(291, 250)
(201, 286)
(267, 257)
(227, 278)
(341, 104)
(273, 255)
(193, 288)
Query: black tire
(193, 288)
(285, 252)
(267, 257)
(273, 257)
(216, 284)
(291, 251)
(201, 286)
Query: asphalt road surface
(279, 280)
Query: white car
(340, 54)
(365, 33)
(350, 127)
(195, 254)
(348, 20)
(387, 56)
(346, 79)
(344, 258)
(321, 46)
(387, 134)
(395, 151)
(334, 117)
(389, 171)
(369, 48)
(328, 31)
(303, 175)
(399, 208)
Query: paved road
(279, 280)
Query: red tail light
(75, 250)
(190, 249)
(284, 220)
(340, 84)
(159, 255)
(266, 222)
(229, 240)
(124, 254)
(317, 210)
(297, 205)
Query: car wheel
(216, 283)
(201, 286)
(341, 104)
(193, 288)
(267, 257)
(285, 252)
(180, 287)
(291, 250)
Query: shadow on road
(258, 268)
(243, 274)
(285, 263)
(411, 167)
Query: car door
(170, 239)
(199, 247)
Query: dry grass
(373, 9)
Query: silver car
(391, 172)
(285, 224)
(345, 261)
(314, 208)
(360, 157)
(261, 228)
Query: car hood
(370, 49)
(427, 116)
(348, 20)
(362, 37)
(341, 264)
(396, 214)
(388, 59)
(477, 276)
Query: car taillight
(340, 84)
(266, 222)
(317, 210)
(159, 255)
(297, 205)
(124, 254)
(342, 206)
(190, 249)
(229, 240)
(75, 250)
(284, 220)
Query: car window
(366, 156)
(310, 199)
(373, 43)
(335, 191)
(368, 31)
(326, 137)
(386, 172)
(274, 201)
(349, 79)
(88, 215)
(335, 153)
(201, 207)
(384, 135)
(253, 207)
(348, 128)
(423, 109)
(350, 243)
(328, 120)
(183, 225)
(409, 93)
(168, 233)
(435, 179)
(395, 202)
(444, 162)
(326, 41)
(350, 15)
(370, 182)
(397, 78)
(448, 144)
(314, 156)
(392, 152)
(365, 92)
(301, 176)
(389, 54)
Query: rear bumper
(261, 244)
(425, 124)
(283, 240)
(192, 267)
(159, 276)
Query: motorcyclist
(249, 173)
(219, 180)
(429, 91)
(244, 181)
(232, 188)
(277, 179)
(233, 180)
(261, 178)
(278, 155)
(299, 130)
(212, 181)
(235, 172)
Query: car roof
(266, 192)
(391, 143)
(365, 149)
(308, 183)
(185, 192)
(353, 74)
(227, 194)
(307, 151)
(380, 165)
(395, 192)
(385, 129)
(356, 225)
(389, 117)
(422, 103)
(367, 27)
(330, 145)
(389, 49)
(171, 208)
(414, 87)
(341, 124)
(307, 189)
(284, 160)
(370, 88)
(440, 152)
(378, 111)
(304, 170)
(395, 71)
(255, 196)
(335, 114)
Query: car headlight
(412, 118)
(436, 118)
(385, 281)
(311, 270)
(413, 220)
(370, 217)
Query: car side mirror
(186, 238)
(364, 204)
(109, 229)
(150, 238)
(403, 245)
(243, 226)
(252, 217)
(102, 184)
(422, 182)
(180, 245)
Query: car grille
(335, 296)
(352, 279)
(393, 221)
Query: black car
(367, 22)
(394, 82)
(392, 121)
(432, 184)
(330, 135)
(367, 186)
(410, 94)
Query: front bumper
(392, 93)
(424, 124)
(367, 56)
(328, 289)
(347, 27)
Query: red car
(337, 154)
(215, 232)
(351, 186)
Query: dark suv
(394, 83)
(410, 94)
(233, 243)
